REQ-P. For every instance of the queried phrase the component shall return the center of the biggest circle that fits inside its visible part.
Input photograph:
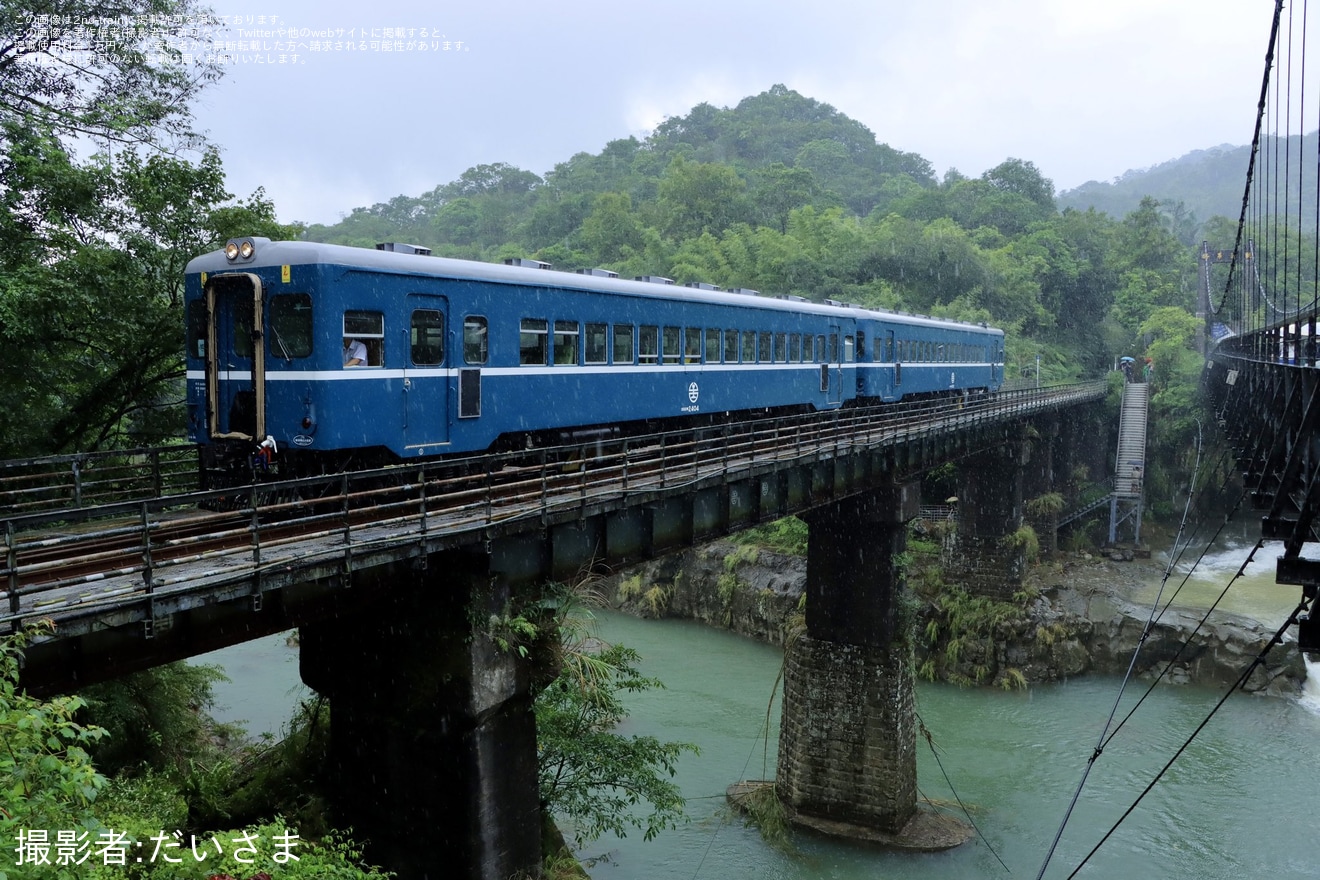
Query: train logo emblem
(693, 393)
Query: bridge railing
(91, 479)
(76, 561)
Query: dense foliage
(51, 792)
(92, 249)
(591, 775)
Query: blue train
(307, 357)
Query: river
(1239, 802)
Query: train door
(896, 375)
(235, 357)
(831, 378)
(425, 379)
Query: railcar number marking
(693, 393)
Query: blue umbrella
(1128, 359)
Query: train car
(339, 357)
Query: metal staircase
(1130, 462)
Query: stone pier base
(847, 741)
(847, 749)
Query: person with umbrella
(1125, 363)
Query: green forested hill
(1205, 183)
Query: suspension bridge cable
(1255, 147)
(1105, 736)
(1204, 619)
(1241, 680)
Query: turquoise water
(1239, 803)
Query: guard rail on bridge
(128, 562)
(92, 479)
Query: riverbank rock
(1076, 618)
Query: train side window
(712, 346)
(427, 337)
(369, 329)
(673, 345)
(748, 347)
(795, 348)
(648, 345)
(290, 325)
(595, 349)
(731, 346)
(197, 328)
(692, 345)
(764, 352)
(833, 356)
(476, 340)
(533, 347)
(566, 343)
(808, 352)
(781, 348)
(623, 343)
(848, 354)
(820, 349)
(861, 346)
(877, 349)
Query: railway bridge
(401, 579)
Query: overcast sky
(1085, 89)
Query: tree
(611, 231)
(591, 774)
(112, 70)
(92, 257)
(1023, 179)
(696, 197)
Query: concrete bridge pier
(847, 739)
(433, 740)
(984, 555)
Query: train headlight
(240, 249)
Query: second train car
(342, 357)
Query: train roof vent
(855, 305)
(526, 264)
(599, 273)
(833, 302)
(702, 285)
(794, 298)
(745, 291)
(401, 248)
(655, 279)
